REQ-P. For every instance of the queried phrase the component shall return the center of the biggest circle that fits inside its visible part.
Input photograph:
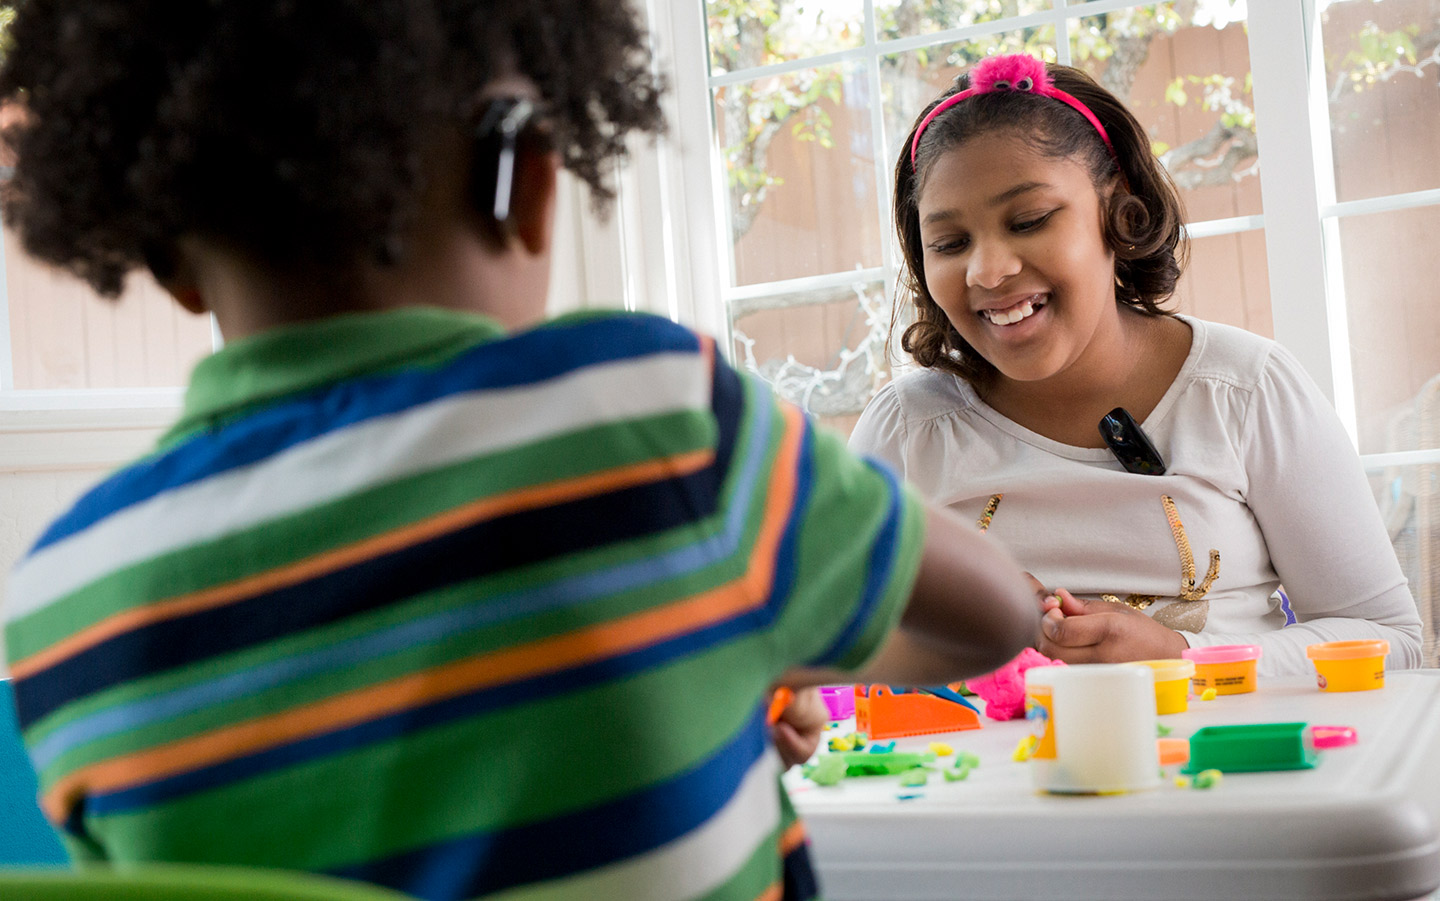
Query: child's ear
(533, 213)
(182, 285)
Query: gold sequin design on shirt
(990, 507)
(1189, 591)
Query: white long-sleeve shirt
(1259, 468)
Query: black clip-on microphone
(1130, 445)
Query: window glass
(745, 34)
(799, 157)
(1409, 499)
(63, 337)
(1382, 71)
(907, 18)
(822, 349)
(1394, 327)
(1185, 74)
(1228, 281)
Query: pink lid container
(1223, 653)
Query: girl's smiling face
(1015, 256)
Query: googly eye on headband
(1016, 72)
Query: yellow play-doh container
(1172, 684)
(1349, 665)
(1230, 669)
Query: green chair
(183, 882)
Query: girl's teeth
(1013, 316)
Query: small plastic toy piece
(955, 775)
(1162, 730)
(1208, 694)
(1026, 749)
(1207, 779)
(881, 713)
(841, 743)
(881, 747)
(1004, 690)
(829, 769)
(940, 749)
(1251, 748)
(839, 700)
(914, 778)
(1172, 750)
(967, 759)
(863, 763)
(778, 702)
(1326, 737)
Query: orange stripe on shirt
(792, 838)
(529, 498)
(744, 593)
(775, 892)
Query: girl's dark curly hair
(1142, 223)
(289, 128)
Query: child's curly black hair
(1143, 223)
(289, 128)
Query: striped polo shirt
(406, 599)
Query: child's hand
(797, 732)
(1079, 631)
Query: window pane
(748, 33)
(1394, 328)
(63, 336)
(1381, 64)
(799, 155)
(905, 18)
(1183, 69)
(1409, 499)
(823, 350)
(1228, 281)
(911, 80)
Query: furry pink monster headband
(1011, 72)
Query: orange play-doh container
(1349, 665)
(1172, 684)
(1230, 669)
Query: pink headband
(1010, 72)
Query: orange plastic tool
(778, 702)
(880, 713)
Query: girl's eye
(950, 245)
(1028, 225)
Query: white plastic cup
(1095, 727)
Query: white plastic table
(1363, 824)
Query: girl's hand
(1077, 631)
(797, 732)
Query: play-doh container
(1172, 683)
(1349, 665)
(1093, 726)
(1228, 668)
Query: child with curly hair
(1162, 475)
(422, 589)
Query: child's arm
(971, 611)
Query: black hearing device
(1130, 445)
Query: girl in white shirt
(1040, 236)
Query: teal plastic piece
(1251, 748)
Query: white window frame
(1300, 218)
